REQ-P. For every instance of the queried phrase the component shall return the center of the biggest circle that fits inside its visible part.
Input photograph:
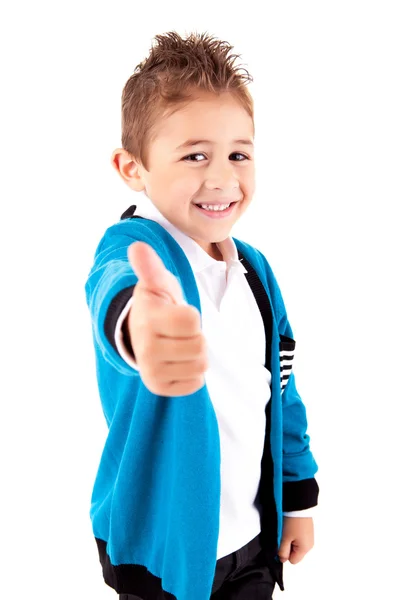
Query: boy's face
(201, 153)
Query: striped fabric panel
(286, 356)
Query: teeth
(214, 207)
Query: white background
(327, 97)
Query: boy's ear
(128, 168)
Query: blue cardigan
(156, 497)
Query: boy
(206, 481)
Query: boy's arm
(300, 489)
(109, 288)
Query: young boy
(206, 481)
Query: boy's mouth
(216, 211)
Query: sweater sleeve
(108, 289)
(300, 488)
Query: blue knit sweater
(156, 497)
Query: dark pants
(242, 575)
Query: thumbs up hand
(165, 332)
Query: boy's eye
(191, 157)
(240, 154)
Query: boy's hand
(297, 538)
(166, 336)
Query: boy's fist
(165, 332)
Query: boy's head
(188, 134)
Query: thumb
(285, 549)
(152, 274)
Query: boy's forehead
(200, 119)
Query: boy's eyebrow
(189, 143)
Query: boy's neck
(215, 252)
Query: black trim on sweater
(286, 343)
(263, 303)
(115, 308)
(265, 498)
(286, 356)
(299, 495)
(130, 579)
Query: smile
(217, 213)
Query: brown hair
(174, 69)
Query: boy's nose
(222, 178)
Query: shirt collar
(198, 258)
